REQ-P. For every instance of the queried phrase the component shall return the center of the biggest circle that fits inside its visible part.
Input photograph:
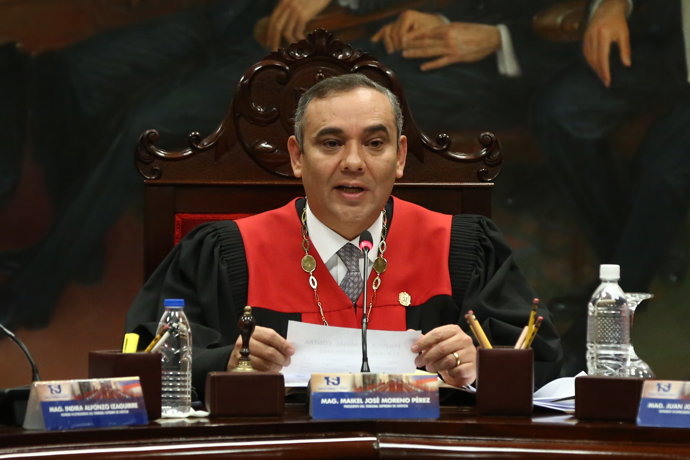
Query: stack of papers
(558, 394)
(321, 349)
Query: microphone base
(13, 403)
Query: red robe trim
(417, 252)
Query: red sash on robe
(417, 252)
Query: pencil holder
(607, 398)
(146, 366)
(505, 381)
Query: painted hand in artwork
(408, 22)
(608, 26)
(289, 20)
(452, 43)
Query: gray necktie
(352, 283)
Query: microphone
(365, 245)
(13, 401)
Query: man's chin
(358, 217)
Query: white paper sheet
(558, 394)
(339, 349)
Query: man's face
(350, 160)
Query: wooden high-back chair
(244, 167)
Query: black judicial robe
(446, 264)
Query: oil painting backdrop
(81, 80)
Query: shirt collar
(327, 242)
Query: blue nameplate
(373, 396)
(665, 403)
(65, 404)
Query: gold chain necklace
(309, 264)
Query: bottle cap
(175, 303)
(609, 271)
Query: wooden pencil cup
(505, 381)
(607, 398)
(146, 366)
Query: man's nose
(353, 155)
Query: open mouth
(348, 189)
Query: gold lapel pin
(404, 299)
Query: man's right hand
(608, 25)
(409, 21)
(268, 351)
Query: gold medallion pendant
(308, 263)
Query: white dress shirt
(327, 243)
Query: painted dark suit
(631, 224)
(89, 104)
(92, 100)
(631, 212)
(474, 95)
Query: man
(635, 62)
(348, 149)
(89, 103)
(584, 105)
(478, 62)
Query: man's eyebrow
(328, 131)
(332, 130)
(376, 128)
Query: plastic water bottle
(608, 326)
(176, 360)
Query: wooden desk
(459, 432)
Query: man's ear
(402, 157)
(295, 156)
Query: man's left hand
(448, 351)
(452, 43)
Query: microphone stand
(365, 357)
(34, 369)
(13, 401)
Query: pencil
(533, 313)
(530, 321)
(535, 329)
(162, 340)
(521, 339)
(477, 330)
(155, 340)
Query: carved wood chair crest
(260, 120)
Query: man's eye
(376, 143)
(331, 144)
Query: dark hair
(342, 84)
